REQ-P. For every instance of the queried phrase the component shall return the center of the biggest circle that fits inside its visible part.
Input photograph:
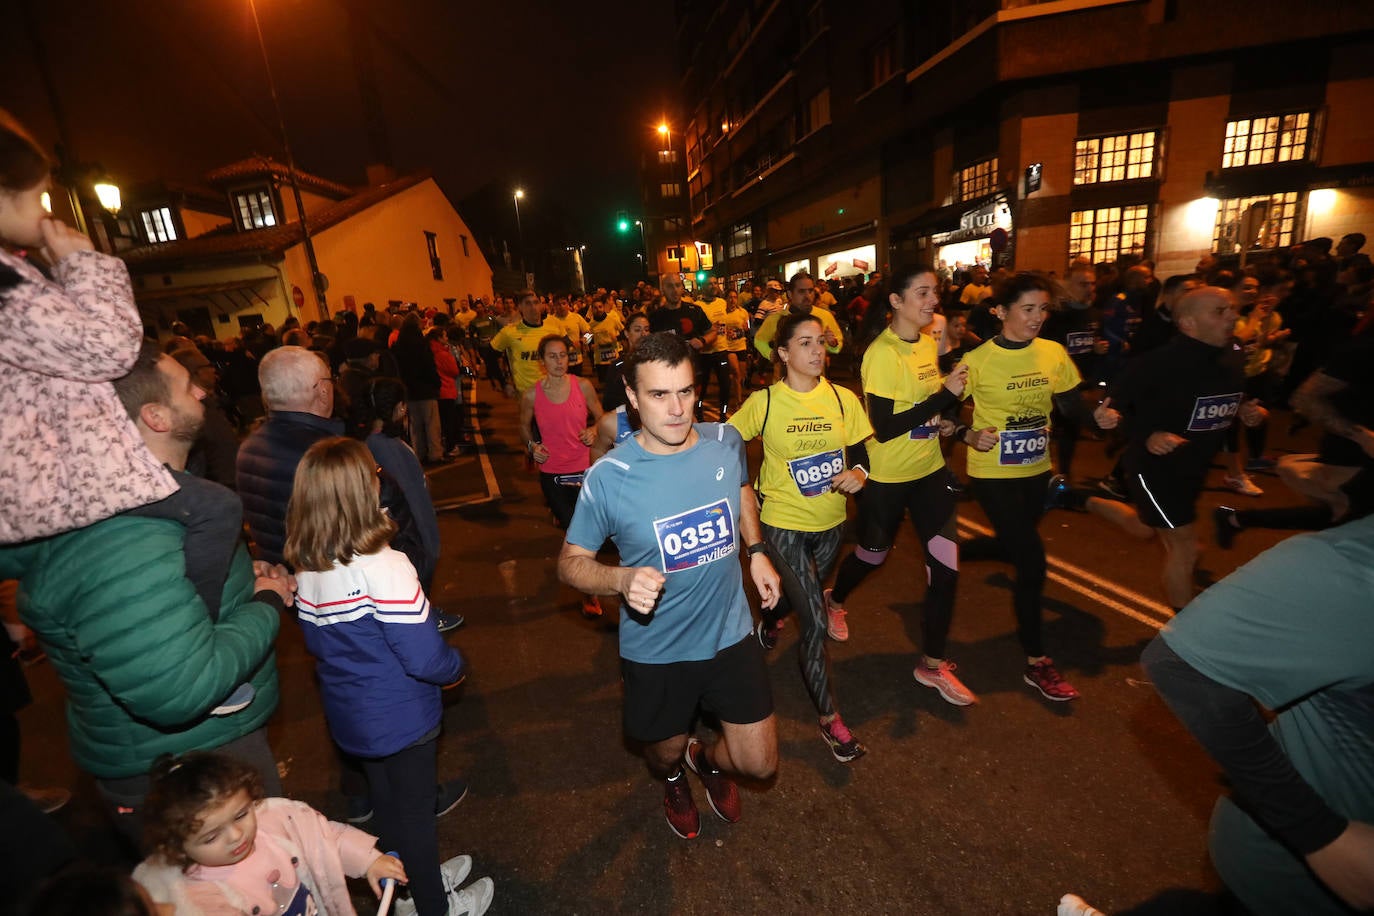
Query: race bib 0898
(812, 474)
(696, 537)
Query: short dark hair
(1355, 238)
(1018, 284)
(797, 278)
(23, 164)
(1172, 284)
(663, 347)
(144, 383)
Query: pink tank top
(559, 426)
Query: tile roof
(256, 166)
(229, 246)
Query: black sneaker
(1224, 528)
(358, 809)
(1059, 494)
(448, 795)
(446, 622)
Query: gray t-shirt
(678, 513)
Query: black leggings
(804, 560)
(930, 503)
(403, 796)
(1014, 507)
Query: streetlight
(108, 195)
(519, 232)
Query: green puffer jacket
(141, 661)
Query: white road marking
(1118, 598)
(493, 488)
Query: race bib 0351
(696, 537)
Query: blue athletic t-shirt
(678, 513)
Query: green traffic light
(701, 276)
(623, 225)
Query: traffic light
(622, 221)
(701, 278)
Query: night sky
(551, 96)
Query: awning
(949, 219)
(205, 289)
(824, 240)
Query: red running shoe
(721, 790)
(679, 808)
(1044, 677)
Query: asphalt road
(998, 808)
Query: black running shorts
(661, 700)
(1164, 500)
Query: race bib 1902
(812, 474)
(1022, 446)
(696, 537)
(1214, 412)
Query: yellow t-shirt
(520, 343)
(803, 447)
(606, 339)
(906, 374)
(573, 326)
(715, 311)
(734, 323)
(763, 338)
(1013, 390)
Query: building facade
(394, 242)
(843, 137)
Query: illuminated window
(1255, 222)
(741, 240)
(674, 253)
(1262, 141)
(670, 189)
(1107, 233)
(254, 209)
(158, 225)
(667, 157)
(975, 180)
(1124, 157)
(432, 244)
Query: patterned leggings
(805, 559)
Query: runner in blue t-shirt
(675, 499)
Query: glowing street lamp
(108, 195)
(518, 196)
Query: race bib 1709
(1022, 446)
(1214, 412)
(696, 537)
(812, 474)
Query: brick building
(844, 136)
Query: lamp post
(519, 232)
(644, 246)
(317, 279)
(666, 133)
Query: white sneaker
(1242, 484)
(453, 873)
(1074, 905)
(472, 900)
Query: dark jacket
(267, 472)
(415, 361)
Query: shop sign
(978, 223)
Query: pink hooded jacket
(326, 852)
(69, 454)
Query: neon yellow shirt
(520, 343)
(573, 326)
(1013, 391)
(606, 339)
(715, 312)
(763, 338)
(803, 447)
(734, 323)
(906, 374)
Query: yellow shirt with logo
(1013, 390)
(573, 326)
(906, 373)
(803, 448)
(520, 343)
(733, 329)
(763, 338)
(606, 338)
(715, 312)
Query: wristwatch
(760, 547)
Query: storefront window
(1261, 141)
(847, 263)
(795, 267)
(1255, 222)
